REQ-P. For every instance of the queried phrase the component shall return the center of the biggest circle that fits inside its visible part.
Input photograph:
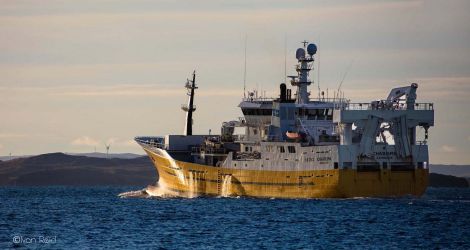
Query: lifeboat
(295, 135)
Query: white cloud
(85, 141)
(1, 147)
(448, 148)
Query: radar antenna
(318, 70)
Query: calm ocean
(91, 218)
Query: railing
(384, 106)
(315, 99)
(155, 141)
(424, 106)
(336, 101)
(299, 67)
(258, 99)
(421, 143)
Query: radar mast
(302, 80)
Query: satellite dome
(312, 49)
(300, 53)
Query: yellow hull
(189, 179)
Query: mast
(302, 80)
(190, 107)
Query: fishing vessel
(296, 146)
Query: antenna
(344, 76)
(244, 71)
(107, 150)
(318, 70)
(285, 58)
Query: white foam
(226, 186)
(159, 190)
(134, 194)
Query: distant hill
(63, 169)
(93, 154)
(440, 180)
(455, 170)
(7, 157)
(104, 155)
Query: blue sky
(77, 74)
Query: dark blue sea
(94, 218)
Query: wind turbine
(107, 150)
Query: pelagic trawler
(301, 148)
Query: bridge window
(262, 112)
(281, 149)
(291, 149)
(321, 114)
(329, 115)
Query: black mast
(190, 108)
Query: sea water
(99, 217)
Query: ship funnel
(283, 95)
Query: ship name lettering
(324, 158)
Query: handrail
(157, 142)
(258, 99)
(384, 106)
